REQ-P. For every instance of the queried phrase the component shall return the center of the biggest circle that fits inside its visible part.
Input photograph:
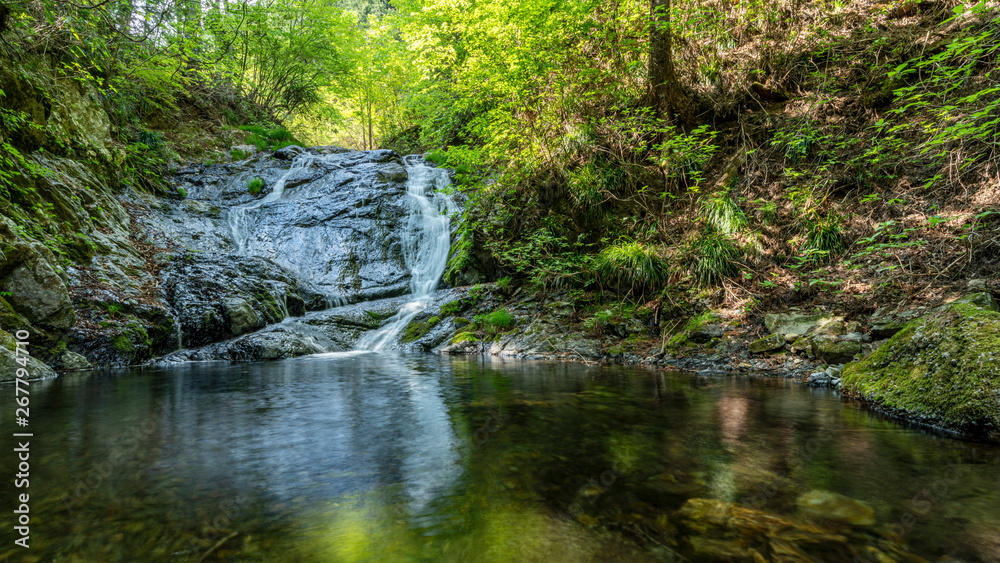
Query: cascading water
(238, 215)
(426, 239)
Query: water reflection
(382, 457)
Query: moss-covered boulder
(942, 369)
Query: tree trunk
(669, 99)
(371, 138)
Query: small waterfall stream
(426, 239)
(238, 215)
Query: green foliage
(255, 185)
(712, 258)
(953, 93)
(721, 212)
(269, 138)
(452, 308)
(824, 239)
(683, 156)
(631, 266)
(495, 322)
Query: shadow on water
(360, 456)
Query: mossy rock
(834, 351)
(942, 369)
(464, 337)
(769, 343)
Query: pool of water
(380, 457)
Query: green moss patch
(942, 369)
(418, 329)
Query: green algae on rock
(942, 369)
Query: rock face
(41, 294)
(331, 330)
(335, 226)
(219, 297)
(942, 369)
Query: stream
(387, 457)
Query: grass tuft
(712, 257)
(631, 266)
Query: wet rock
(392, 172)
(819, 379)
(705, 333)
(289, 152)
(218, 297)
(462, 347)
(769, 343)
(836, 507)
(71, 361)
(242, 317)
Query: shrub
(631, 265)
(255, 185)
(712, 257)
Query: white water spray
(238, 215)
(426, 239)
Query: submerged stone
(836, 507)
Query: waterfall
(238, 215)
(426, 239)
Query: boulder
(37, 291)
(833, 350)
(71, 361)
(219, 297)
(942, 369)
(9, 362)
(983, 300)
(289, 152)
(769, 343)
(797, 323)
